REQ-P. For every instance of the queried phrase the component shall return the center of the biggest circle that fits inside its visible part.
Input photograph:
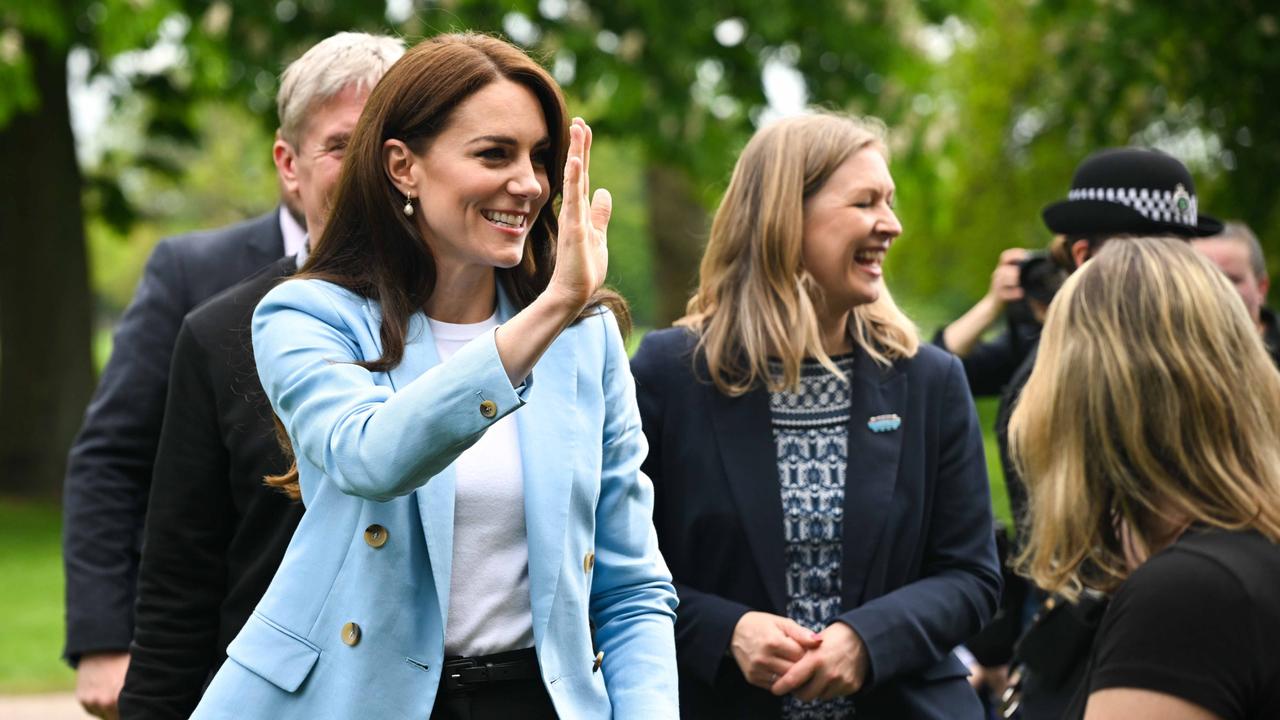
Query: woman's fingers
(798, 675)
(801, 634)
(577, 181)
(601, 210)
(815, 688)
(571, 209)
(766, 672)
(576, 140)
(586, 157)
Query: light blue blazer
(377, 449)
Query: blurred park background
(124, 121)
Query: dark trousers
(524, 699)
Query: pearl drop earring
(408, 204)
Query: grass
(31, 603)
(999, 496)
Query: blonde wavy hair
(755, 299)
(1153, 403)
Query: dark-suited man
(110, 467)
(215, 532)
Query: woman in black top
(1149, 433)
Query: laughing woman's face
(849, 225)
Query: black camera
(1040, 277)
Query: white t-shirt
(489, 610)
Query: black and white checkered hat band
(1158, 205)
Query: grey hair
(328, 68)
(1237, 231)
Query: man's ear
(398, 162)
(1080, 252)
(286, 160)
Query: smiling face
(309, 169)
(848, 226)
(482, 181)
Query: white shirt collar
(295, 236)
(301, 257)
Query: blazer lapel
(435, 499)
(266, 244)
(548, 428)
(872, 467)
(745, 436)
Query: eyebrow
(876, 189)
(504, 140)
(337, 137)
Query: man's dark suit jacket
(1271, 334)
(990, 364)
(109, 468)
(919, 574)
(215, 533)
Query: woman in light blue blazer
(478, 537)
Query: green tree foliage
(1199, 78)
(1039, 85)
(684, 81)
(991, 104)
(229, 51)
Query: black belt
(468, 673)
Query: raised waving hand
(582, 251)
(582, 259)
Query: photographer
(1022, 285)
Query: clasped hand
(779, 655)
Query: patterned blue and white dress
(811, 433)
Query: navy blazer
(215, 532)
(110, 464)
(919, 574)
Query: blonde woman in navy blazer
(837, 579)
(443, 217)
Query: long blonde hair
(1152, 401)
(754, 298)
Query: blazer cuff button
(489, 409)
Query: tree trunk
(678, 226)
(46, 374)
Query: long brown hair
(371, 248)
(1152, 402)
(754, 298)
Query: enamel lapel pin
(884, 423)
